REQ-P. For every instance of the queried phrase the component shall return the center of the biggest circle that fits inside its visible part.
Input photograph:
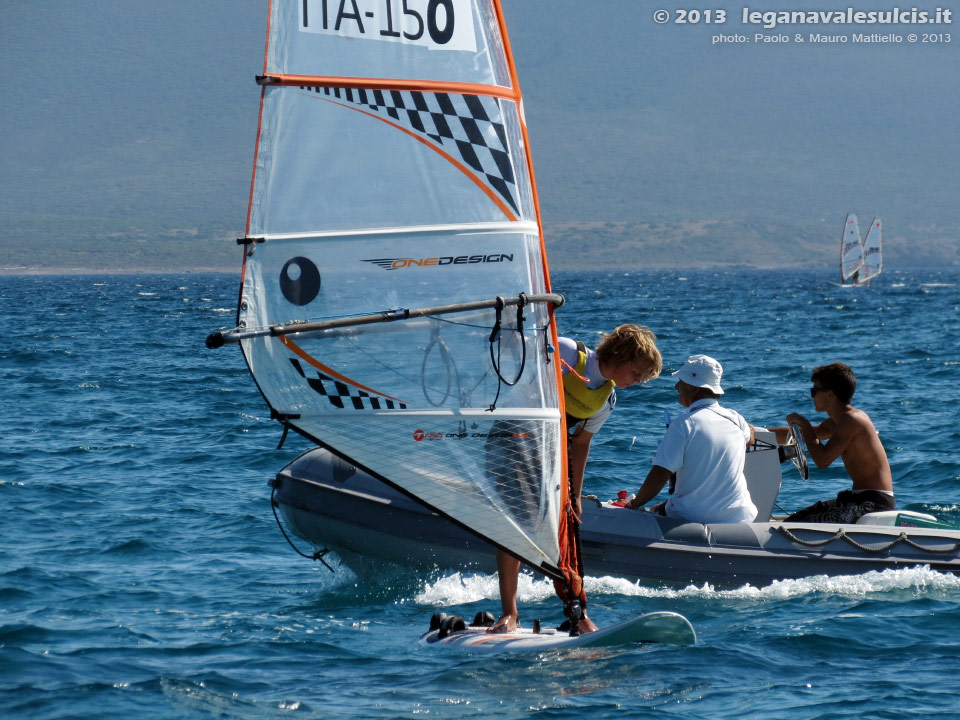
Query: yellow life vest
(581, 401)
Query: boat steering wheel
(799, 457)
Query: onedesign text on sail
(400, 263)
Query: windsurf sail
(872, 251)
(395, 303)
(851, 250)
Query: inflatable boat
(330, 503)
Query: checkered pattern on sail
(473, 124)
(344, 396)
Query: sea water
(142, 574)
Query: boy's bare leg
(508, 573)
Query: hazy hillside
(760, 150)
(127, 130)
(126, 127)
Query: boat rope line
(318, 555)
(841, 534)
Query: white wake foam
(920, 580)
(460, 589)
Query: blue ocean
(142, 574)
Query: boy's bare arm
(823, 431)
(840, 435)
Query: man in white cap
(706, 448)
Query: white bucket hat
(701, 371)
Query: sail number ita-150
(436, 24)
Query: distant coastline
(555, 267)
(38, 270)
(721, 244)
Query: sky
(772, 125)
(128, 121)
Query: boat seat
(762, 471)
(679, 530)
(734, 534)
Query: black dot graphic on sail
(299, 281)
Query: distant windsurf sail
(395, 303)
(872, 251)
(851, 250)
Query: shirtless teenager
(849, 433)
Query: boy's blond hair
(627, 345)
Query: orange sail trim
(253, 181)
(441, 86)
(304, 355)
(266, 45)
(518, 98)
(443, 153)
(256, 145)
(568, 561)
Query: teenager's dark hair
(838, 377)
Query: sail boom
(392, 315)
(360, 83)
(424, 230)
(219, 339)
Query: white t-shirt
(570, 355)
(707, 447)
